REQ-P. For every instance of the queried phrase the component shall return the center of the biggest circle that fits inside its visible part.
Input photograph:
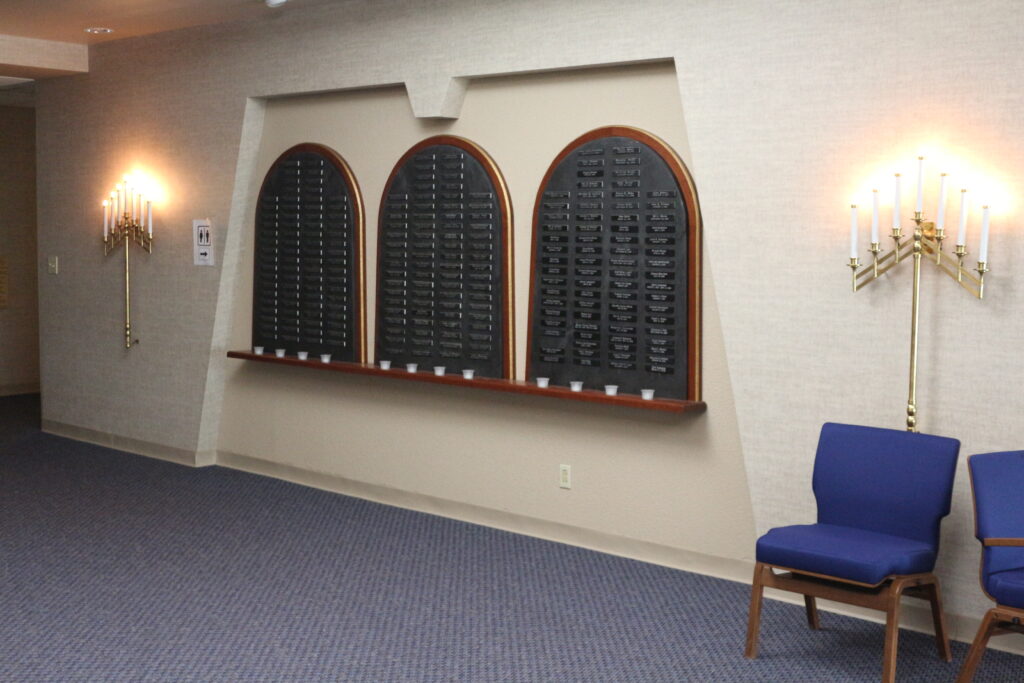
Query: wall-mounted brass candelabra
(926, 244)
(127, 218)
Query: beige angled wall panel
(636, 475)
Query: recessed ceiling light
(99, 30)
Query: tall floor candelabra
(127, 217)
(926, 245)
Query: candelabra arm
(127, 297)
(914, 317)
(875, 248)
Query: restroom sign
(202, 241)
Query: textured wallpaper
(788, 107)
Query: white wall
(19, 326)
(787, 106)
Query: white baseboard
(915, 617)
(179, 456)
(735, 570)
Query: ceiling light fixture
(99, 30)
(275, 3)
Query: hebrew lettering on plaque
(444, 262)
(308, 285)
(616, 268)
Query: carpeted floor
(119, 567)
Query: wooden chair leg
(977, 650)
(754, 618)
(939, 621)
(812, 612)
(892, 633)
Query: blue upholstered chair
(997, 480)
(881, 496)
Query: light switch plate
(53, 265)
(202, 241)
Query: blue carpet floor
(119, 567)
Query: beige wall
(787, 106)
(471, 448)
(19, 325)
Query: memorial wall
(436, 251)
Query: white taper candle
(896, 204)
(874, 216)
(853, 231)
(983, 247)
(106, 219)
(940, 216)
(961, 234)
(149, 216)
(919, 207)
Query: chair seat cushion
(844, 552)
(1007, 587)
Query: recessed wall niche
(309, 283)
(615, 288)
(444, 268)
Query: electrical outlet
(53, 265)
(565, 476)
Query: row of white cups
(439, 370)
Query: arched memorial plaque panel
(444, 262)
(309, 283)
(615, 271)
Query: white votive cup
(647, 394)
(467, 373)
(303, 355)
(385, 364)
(439, 370)
(258, 350)
(611, 389)
(279, 353)
(325, 358)
(576, 386)
(411, 367)
(542, 382)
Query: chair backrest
(884, 480)
(997, 480)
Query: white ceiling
(66, 20)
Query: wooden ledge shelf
(514, 386)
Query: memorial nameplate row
(614, 262)
(443, 261)
(308, 279)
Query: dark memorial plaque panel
(616, 268)
(309, 285)
(444, 294)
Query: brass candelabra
(927, 242)
(127, 229)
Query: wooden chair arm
(1013, 542)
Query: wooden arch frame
(694, 241)
(497, 180)
(358, 235)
